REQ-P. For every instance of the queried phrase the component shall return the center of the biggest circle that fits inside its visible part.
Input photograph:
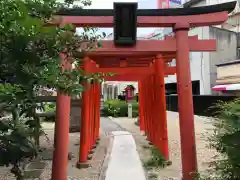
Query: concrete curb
(110, 117)
(34, 169)
(106, 159)
(118, 125)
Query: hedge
(118, 108)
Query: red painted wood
(91, 111)
(141, 106)
(145, 21)
(98, 86)
(134, 70)
(95, 112)
(125, 77)
(148, 93)
(145, 109)
(137, 58)
(151, 47)
(104, 53)
(185, 104)
(161, 109)
(157, 112)
(60, 154)
(84, 137)
(152, 109)
(129, 66)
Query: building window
(172, 63)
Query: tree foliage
(30, 60)
(30, 49)
(15, 146)
(225, 139)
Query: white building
(228, 78)
(203, 64)
(233, 23)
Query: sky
(108, 4)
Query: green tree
(29, 60)
(225, 140)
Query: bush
(49, 112)
(225, 140)
(157, 160)
(118, 108)
(50, 107)
(16, 146)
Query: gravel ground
(91, 173)
(202, 127)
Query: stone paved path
(173, 172)
(124, 159)
(108, 126)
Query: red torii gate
(151, 52)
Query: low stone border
(107, 158)
(137, 123)
(34, 169)
(110, 117)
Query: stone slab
(33, 173)
(124, 159)
(47, 154)
(36, 165)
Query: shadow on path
(108, 126)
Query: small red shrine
(129, 93)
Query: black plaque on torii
(125, 24)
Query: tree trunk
(15, 115)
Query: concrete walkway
(124, 160)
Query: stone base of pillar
(82, 165)
(137, 122)
(150, 143)
(90, 157)
(75, 116)
(169, 163)
(91, 152)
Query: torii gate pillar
(61, 137)
(159, 67)
(185, 102)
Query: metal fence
(203, 104)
